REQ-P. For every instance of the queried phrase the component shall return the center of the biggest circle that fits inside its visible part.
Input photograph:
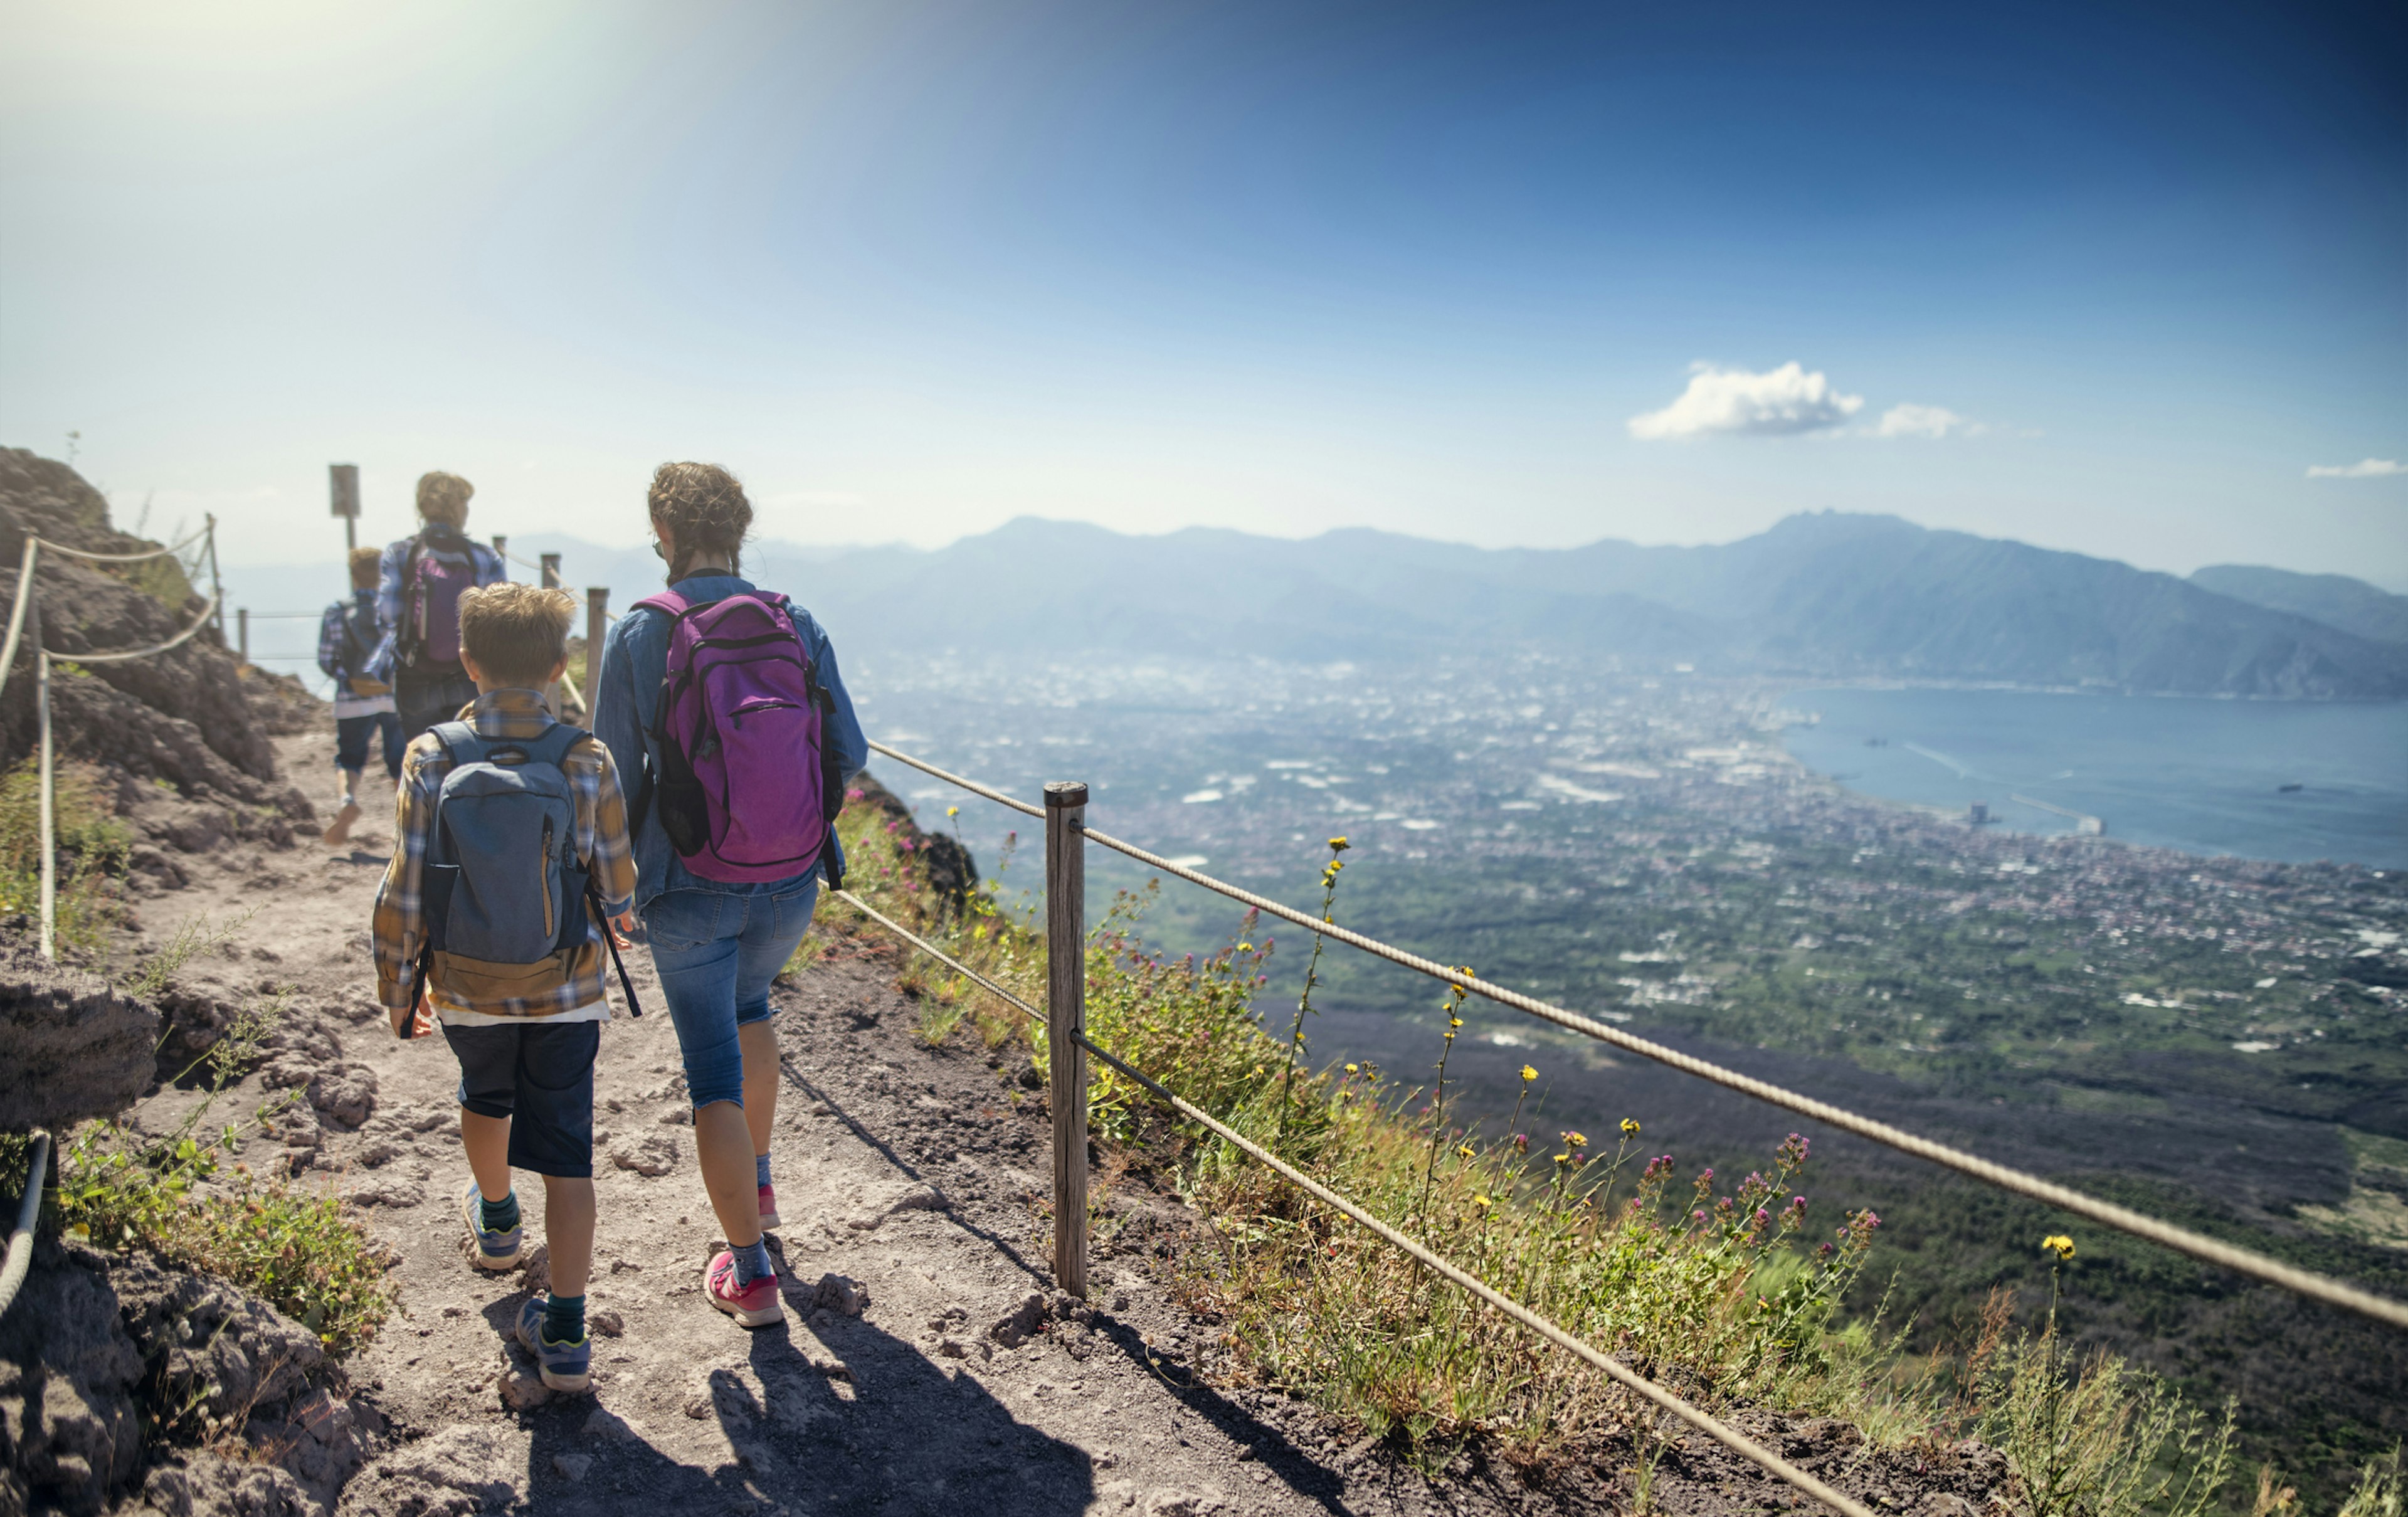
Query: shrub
(118, 1189)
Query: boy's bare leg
(759, 1044)
(487, 1140)
(724, 1143)
(350, 808)
(569, 1233)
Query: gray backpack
(506, 898)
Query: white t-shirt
(590, 1011)
(348, 705)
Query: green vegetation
(92, 846)
(2098, 1441)
(119, 1189)
(1935, 970)
(1715, 1288)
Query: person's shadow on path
(828, 1415)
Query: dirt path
(903, 1173)
(926, 1366)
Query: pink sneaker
(769, 1217)
(754, 1306)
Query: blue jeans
(716, 953)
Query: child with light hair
(509, 862)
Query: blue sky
(2098, 277)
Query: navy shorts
(540, 1079)
(351, 737)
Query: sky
(2127, 281)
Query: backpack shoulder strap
(554, 747)
(668, 603)
(461, 744)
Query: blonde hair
(366, 565)
(517, 634)
(704, 508)
(444, 498)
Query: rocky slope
(185, 736)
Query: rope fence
(27, 611)
(2210, 1251)
(1622, 1374)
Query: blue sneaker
(491, 1250)
(566, 1366)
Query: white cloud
(2365, 468)
(1912, 421)
(1779, 402)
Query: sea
(2294, 780)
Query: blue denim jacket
(634, 656)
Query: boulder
(77, 1047)
(70, 1434)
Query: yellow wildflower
(1455, 1022)
(1464, 1149)
(1629, 1127)
(1338, 845)
(1576, 1140)
(1528, 1074)
(1353, 1069)
(1479, 1200)
(953, 810)
(2059, 1244)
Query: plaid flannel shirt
(400, 925)
(331, 637)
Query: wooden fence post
(597, 626)
(243, 633)
(1066, 1022)
(551, 570)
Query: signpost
(344, 478)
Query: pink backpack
(439, 570)
(747, 789)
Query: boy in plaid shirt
(349, 642)
(526, 1064)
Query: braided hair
(703, 507)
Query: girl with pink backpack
(722, 704)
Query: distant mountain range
(1819, 596)
(2334, 599)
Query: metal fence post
(1066, 1022)
(50, 939)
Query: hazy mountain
(2334, 599)
(1817, 595)
(1823, 594)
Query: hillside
(1823, 595)
(2334, 599)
